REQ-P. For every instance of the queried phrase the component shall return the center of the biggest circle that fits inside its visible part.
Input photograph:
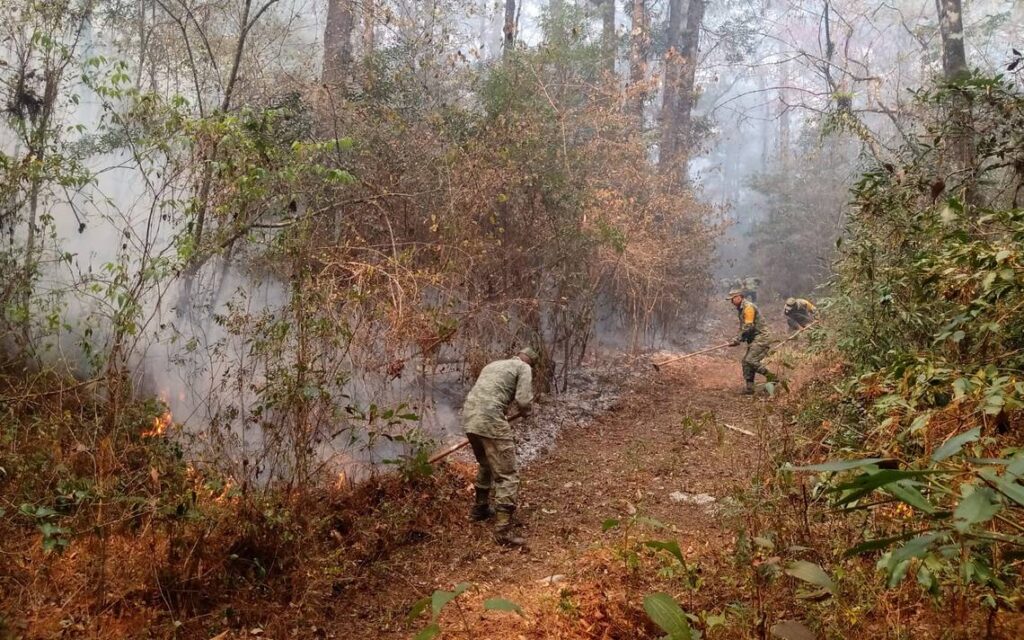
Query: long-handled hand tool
(441, 455)
(659, 365)
(798, 332)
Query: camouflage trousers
(497, 471)
(757, 351)
(797, 321)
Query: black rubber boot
(749, 389)
(503, 533)
(482, 509)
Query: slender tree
(639, 47)
(338, 42)
(509, 28)
(677, 132)
(951, 27)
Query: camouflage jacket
(751, 323)
(499, 384)
(800, 307)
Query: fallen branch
(738, 430)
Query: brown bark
(509, 28)
(639, 46)
(608, 39)
(951, 27)
(369, 24)
(670, 94)
(369, 41)
(680, 126)
(338, 42)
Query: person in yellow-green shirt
(799, 313)
(753, 332)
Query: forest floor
(663, 454)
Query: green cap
(733, 293)
(790, 302)
(530, 353)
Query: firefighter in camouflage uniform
(754, 332)
(483, 415)
(799, 313)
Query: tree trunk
(369, 24)
(369, 41)
(509, 29)
(951, 27)
(608, 40)
(338, 42)
(639, 44)
(681, 137)
(670, 95)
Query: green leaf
(840, 465)
(953, 446)
(875, 545)
(670, 546)
(905, 492)
(610, 523)
(418, 608)
(500, 604)
(810, 572)
(652, 522)
(440, 598)
(913, 549)
(429, 632)
(978, 506)
(868, 482)
(666, 613)
(1011, 490)
(921, 421)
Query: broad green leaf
(868, 482)
(418, 608)
(960, 387)
(978, 506)
(840, 465)
(670, 546)
(921, 421)
(610, 523)
(810, 572)
(500, 604)
(905, 492)
(953, 446)
(429, 632)
(440, 598)
(1010, 489)
(666, 613)
(875, 545)
(652, 522)
(915, 548)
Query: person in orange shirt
(754, 332)
(799, 313)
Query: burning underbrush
(109, 531)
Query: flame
(159, 426)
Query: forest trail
(665, 438)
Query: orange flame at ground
(159, 426)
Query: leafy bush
(930, 287)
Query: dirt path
(664, 437)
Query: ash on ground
(592, 390)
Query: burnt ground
(665, 436)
